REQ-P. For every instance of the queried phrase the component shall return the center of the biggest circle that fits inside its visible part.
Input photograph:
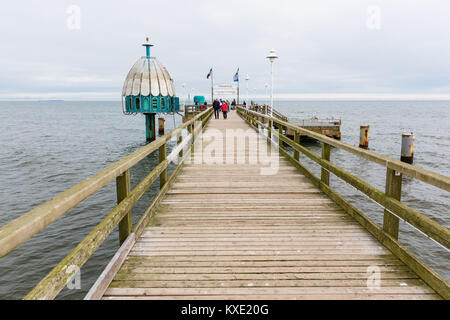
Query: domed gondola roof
(148, 76)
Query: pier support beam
(150, 126)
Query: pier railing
(390, 199)
(23, 228)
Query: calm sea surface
(47, 147)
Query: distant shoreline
(259, 100)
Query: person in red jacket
(224, 109)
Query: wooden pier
(226, 231)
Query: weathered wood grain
(225, 231)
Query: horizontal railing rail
(427, 176)
(265, 109)
(23, 228)
(389, 199)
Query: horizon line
(109, 96)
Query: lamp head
(272, 55)
(147, 46)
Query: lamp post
(272, 56)
(184, 92)
(189, 95)
(267, 96)
(246, 82)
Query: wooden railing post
(325, 175)
(296, 140)
(270, 128)
(123, 190)
(280, 133)
(162, 156)
(179, 140)
(191, 130)
(394, 190)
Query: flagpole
(238, 91)
(212, 87)
(234, 79)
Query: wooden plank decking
(228, 232)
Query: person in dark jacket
(216, 107)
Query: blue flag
(236, 76)
(209, 74)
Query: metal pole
(212, 87)
(271, 87)
(246, 81)
(238, 92)
(184, 93)
(266, 99)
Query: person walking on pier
(224, 109)
(216, 107)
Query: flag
(236, 76)
(209, 74)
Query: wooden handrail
(390, 199)
(427, 176)
(26, 226)
(57, 278)
(416, 219)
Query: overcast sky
(331, 49)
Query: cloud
(325, 47)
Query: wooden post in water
(325, 175)
(296, 140)
(364, 137)
(123, 190)
(162, 156)
(161, 121)
(407, 152)
(394, 190)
